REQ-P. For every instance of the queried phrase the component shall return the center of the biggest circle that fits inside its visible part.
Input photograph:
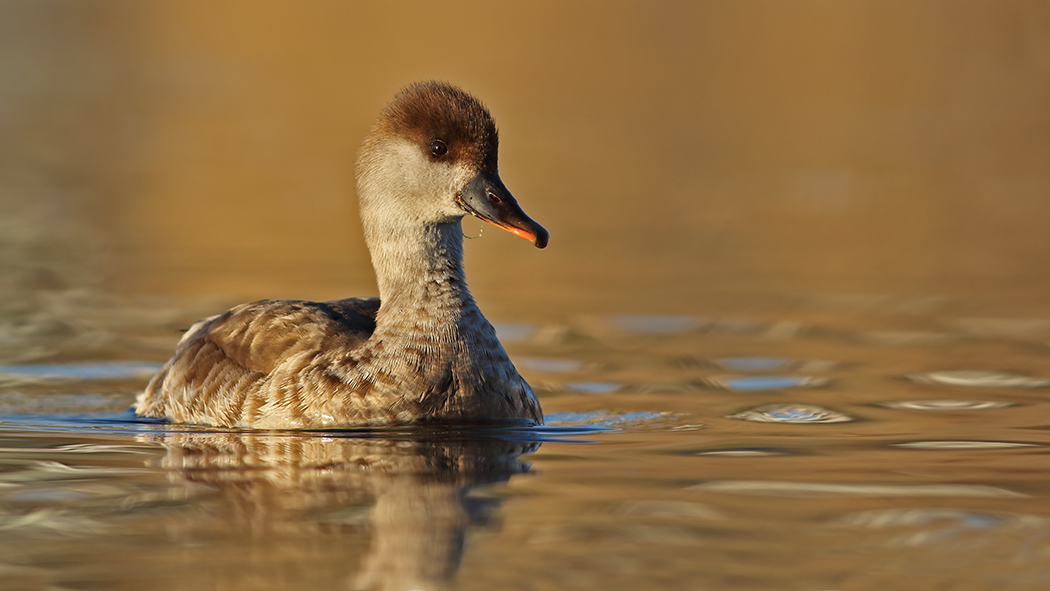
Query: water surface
(792, 330)
(846, 472)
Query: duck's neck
(420, 274)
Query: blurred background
(764, 216)
(683, 155)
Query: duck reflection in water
(414, 489)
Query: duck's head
(431, 158)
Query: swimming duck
(421, 352)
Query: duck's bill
(485, 197)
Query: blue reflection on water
(559, 426)
(105, 370)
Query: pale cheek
(462, 174)
(407, 184)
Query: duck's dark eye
(438, 148)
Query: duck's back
(222, 360)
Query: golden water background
(674, 150)
(852, 193)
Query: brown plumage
(422, 351)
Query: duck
(421, 352)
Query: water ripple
(593, 387)
(784, 488)
(913, 517)
(747, 452)
(906, 338)
(754, 383)
(979, 379)
(109, 370)
(670, 510)
(757, 364)
(509, 332)
(791, 413)
(604, 419)
(547, 365)
(946, 404)
(654, 324)
(962, 444)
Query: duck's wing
(220, 359)
(261, 335)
